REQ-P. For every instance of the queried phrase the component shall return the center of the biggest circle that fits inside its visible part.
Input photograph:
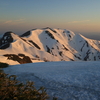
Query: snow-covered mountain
(47, 44)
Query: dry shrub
(3, 65)
(11, 89)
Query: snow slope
(64, 80)
(47, 44)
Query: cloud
(82, 21)
(9, 21)
(14, 21)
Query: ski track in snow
(64, 80)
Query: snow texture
(64, 80)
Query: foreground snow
(64, 80)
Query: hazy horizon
(79, 16)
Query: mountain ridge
(47, 44)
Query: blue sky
(80, 16)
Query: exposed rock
(20, 58)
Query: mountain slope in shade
(47, 44)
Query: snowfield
(64, 80)
(47, 44)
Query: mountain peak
(49, 44)
(9, 32)
(26, 34)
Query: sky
(79, 16)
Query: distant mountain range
(47, 44)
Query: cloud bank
(82, 21)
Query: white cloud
(82, 21)
(14, 21)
